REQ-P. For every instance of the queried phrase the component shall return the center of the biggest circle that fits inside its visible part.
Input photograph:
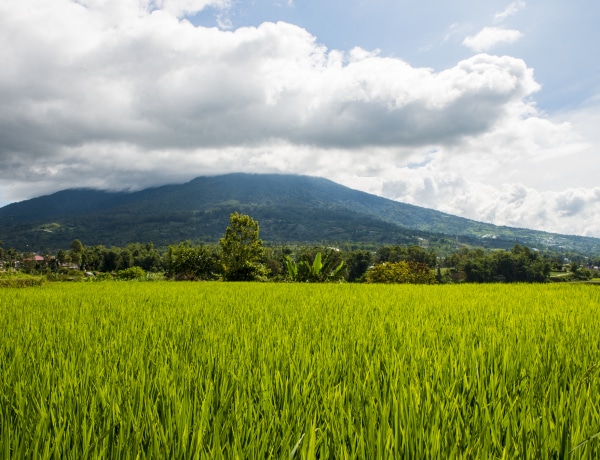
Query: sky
(487, 110)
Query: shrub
(21, 281)
(102, 276)
(400, 272)
(133, 273)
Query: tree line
(241, 255)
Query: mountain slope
(289, 208)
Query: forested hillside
(289, 209)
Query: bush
(400, 272)
(21, 281)
(133, 273)
(102, 276)
(66, 275)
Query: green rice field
(243, 370)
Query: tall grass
(227, 370)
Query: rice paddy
(245, 370)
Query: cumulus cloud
(570, 211)
(491, 37)
(182, 8)
(161, 83)
(125, 94)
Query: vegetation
(133, 273)
(315, 269)
(401, 273)
(358, 262)
(220, 370)
(242, 250)
(187, 262)
(242, 256)
(406, 254)
(521, 264)
(20, 280)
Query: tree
(408, 254)
(146, 256)
(520, 264)
(111, 259)
(11, 257)
(358, 263)
(581, 273)
(63, 257)
(125, 259)
(76, 252)
(186, 262)
(93, 258)
(242, 251)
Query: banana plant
(291, 268)
(321, 269)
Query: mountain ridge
(289, 208)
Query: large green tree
(358, 263)
(242, 251)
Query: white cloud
(162, 82)
(510, 10)
(224, 22)
(181, 8)
(491, 37)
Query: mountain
(289, 209)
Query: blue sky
(487, 110)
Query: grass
(233, 370)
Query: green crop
(243, 370)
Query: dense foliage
(401, 273)
(231, 370)
(242, 256)
(406, 254)
(291, 209)
(187, 262)
(521, 264)
(318, 268)
(242, 251)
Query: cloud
(182, 8)
(491, 37)
(570, 211)
(159, 82)
(510, 10)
